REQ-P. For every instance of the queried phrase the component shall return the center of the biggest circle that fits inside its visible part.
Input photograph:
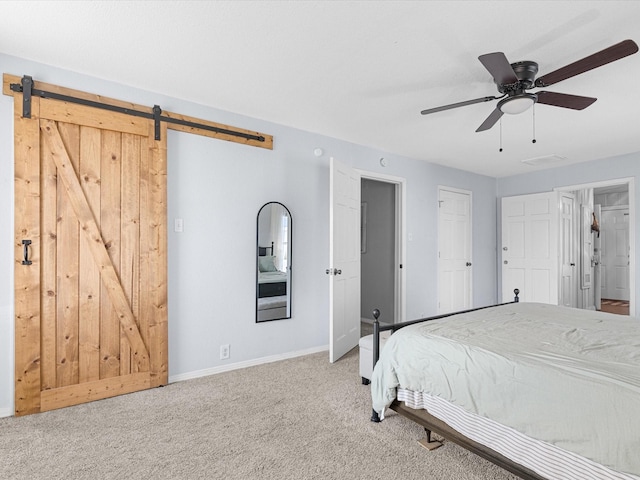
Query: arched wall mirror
(273, 252)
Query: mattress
(566, 377)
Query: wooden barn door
(90, 240)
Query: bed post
(516, 299)
(376, 336)
(376, 353)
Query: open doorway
(612, 249)
(380, 250)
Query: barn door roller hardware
(26, 88)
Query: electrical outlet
(224, 352)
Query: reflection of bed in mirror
(272, 287)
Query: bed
(545, 392)
(272, 287)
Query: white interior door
(454, 250)
(568, 244)
(344, 259)
(530, 247)
(614, 231)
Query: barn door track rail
(178, 122)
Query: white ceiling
(360, 71)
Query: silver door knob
(506, 262)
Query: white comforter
(564, 376)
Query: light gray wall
(623, 166)
(217, 187)
(378, 264)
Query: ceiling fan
(514, 79)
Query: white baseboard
(5, 412)
(247, 363)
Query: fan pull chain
(534, 123)
(500, 135)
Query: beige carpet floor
(302, 418)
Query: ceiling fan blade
(499, 67)
(491, 120)
(608, 55)
(564, 100)
(456, 105)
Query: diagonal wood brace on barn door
(174, 121)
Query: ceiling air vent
(546, 160)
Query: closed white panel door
(454, 250)
(344, 260)
(530, 247)
(614, 231)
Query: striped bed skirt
(541, 457)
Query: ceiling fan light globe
(517, 104)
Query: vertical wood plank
(48, 269)
(110, 230)
(89, 328)
(158, 326)
(67, 268)
(130, 238)
(27, 277)
(144, 181)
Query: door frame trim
(400, 296)
(630, 182)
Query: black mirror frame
(290, 252)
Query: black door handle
(25, 252)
